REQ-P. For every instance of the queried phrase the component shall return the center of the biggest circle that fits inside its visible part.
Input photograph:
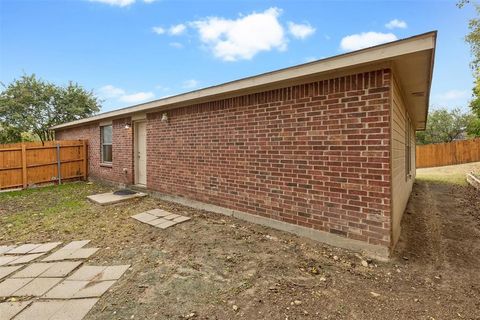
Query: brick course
(315, 155)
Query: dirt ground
(216, 267)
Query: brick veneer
(122, 150)
(315, 155)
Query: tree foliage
(31, 105)
(446, 126)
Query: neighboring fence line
(444, 154)
(26, 164)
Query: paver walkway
(58, 287)
(160, 218)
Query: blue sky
(132, 51)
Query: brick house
(325, 149)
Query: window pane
(107, 134)
(107, 153)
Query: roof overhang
(411, 59)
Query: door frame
(135, 150)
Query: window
(408, 148)
(106, 144)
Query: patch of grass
(458, 179)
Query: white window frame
(103, 161)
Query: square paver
(74, 309)
(70, 254)
(60, 269)
(76, 244)
(32, 271)
(158, 212)
(156, 222)
(171, 216)
(69, 289)
(166, 224)
(25, 258)
(94, 289)
(144, 217)
(9, 286)
(37, 287)
(99, 273)
(65, 289)
(45, 247)
(181, 219)
(8, 310)
(5, 271)
(4, 260)
(24, 248)
(4, 249)
(40, 310)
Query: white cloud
(300, 31)
(453, 95)
(190, 84)
(177, 29)
(365, 39)
(111, 92)
(242, 38)
(158, 30)
(177, 45)
(395, 23)
(119, 3)
(136, 97)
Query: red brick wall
(122, 150)
(315, 155)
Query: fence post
(59, 165)
(85, 167)
(24, 166)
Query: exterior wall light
(128, 125)
(164, 117)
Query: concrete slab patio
(104, 199)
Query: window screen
(106, 144)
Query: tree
(31, 105)
(473, 39)
(445, 126)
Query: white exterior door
(141, 153)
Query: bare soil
(217, 267)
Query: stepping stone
(156, 222)
(69, 289)
(32, 271)
(26, 258)
(144, 217)
(61, 269)
(83, 253)
(24, 248)
(99, 273)
(76, 244)
(181, 219)
(70, 254)
(110, 198)
(4, 260)
(158, 213)
(4, 249)
(37, 287)
(166, 224)
(45, 247)
(8, 310)
(9, 286)
(58, 310)
(48, 270)
(74, 309)
(5, 271)
(171, 216)
(41, 310)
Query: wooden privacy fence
(25, 164)
(444, 154)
